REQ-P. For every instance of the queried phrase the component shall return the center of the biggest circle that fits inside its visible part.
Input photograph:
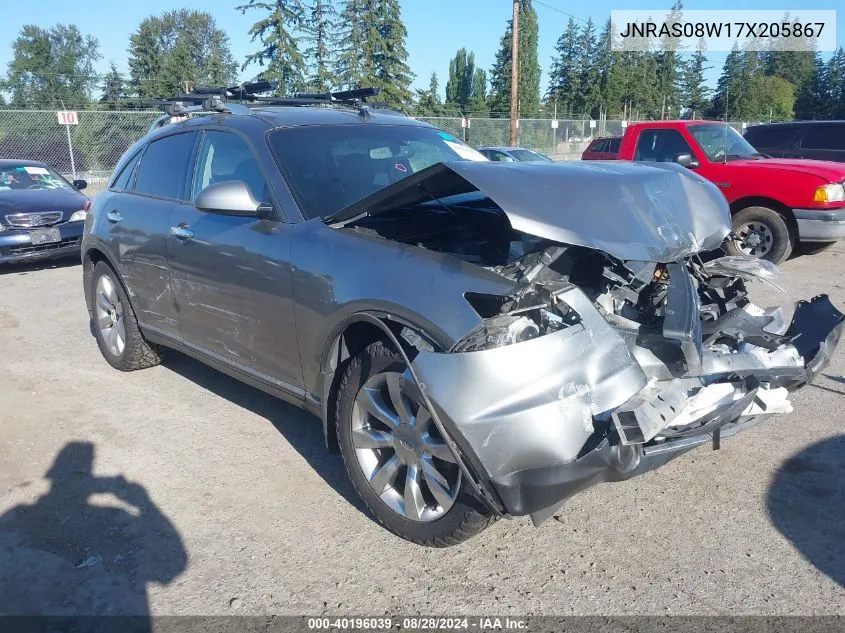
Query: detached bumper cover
(537, 419)
(815, 225)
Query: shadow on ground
(41, 264)
(806, 503)
(301, 429)
(89, 546)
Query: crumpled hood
(658, 212)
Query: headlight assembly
(830, 193)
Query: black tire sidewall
(783, 240)
(129, 323)
(446, 530)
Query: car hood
(828, 170)
(31, 200)
(630, 210)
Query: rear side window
(613, 145)
(125, 176)
(599, 146)
(770, 137)
(166, 163)
(824, 137)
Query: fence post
(70, 151)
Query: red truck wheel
(761, 232)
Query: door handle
(114, 217)
(182, 232)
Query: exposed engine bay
(607, 358)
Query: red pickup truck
(775, 202)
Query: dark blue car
(41, 213)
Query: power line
(548, 6)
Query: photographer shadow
(87, 547)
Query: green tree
(392, 73)
(776, 100)
(693, 87)
(52, 66)
(588, 98)
(279, 46)
(319, 28)
(349, 63)
(728, 86)
(612, 79)
(564, 75)
(529, 67)
(669, 67)
(813, 95)
(428, 101)
(114, 89)
(477, 104)
(459, 87)
(834, 80)
(177, 50)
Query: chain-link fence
(562, 139)
(91, 148)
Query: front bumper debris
(815, 225)
(544, 419)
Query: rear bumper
(817, 225)
(16, 245)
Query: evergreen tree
(564, 75)
(477, 104)
(114, 89)
(349, 63)
(588, 98)
(279, 44)
(612, 81)
(319, 27)
(428, 101)
(669, 68)
(694, 90)
(529, 67)
(459, 87)
(51, 66)
(813, 94)
(728, 85)
(392, 73)
(834, 79)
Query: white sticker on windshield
(35, 170)
(465, 152)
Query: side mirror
(80, 184)
(232, 197)
(687, 160)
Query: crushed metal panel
(531, 404)
(657, 212)
(682, 321)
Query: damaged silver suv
(480, 339)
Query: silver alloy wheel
(402, 455)
(109, 312)
(755, 238)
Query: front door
(232, 275)
(136, 224)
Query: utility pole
(515, 72)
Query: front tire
(115, 326)
(761, 232)
(398, 462)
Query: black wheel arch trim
(466, 459)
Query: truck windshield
(721, 142)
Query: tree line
(320, 45)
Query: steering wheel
(719, 155)
(35, 186)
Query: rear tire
(115, 326)
(445, 517)
(763, 233)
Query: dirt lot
(176, 490)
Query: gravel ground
(180, 491)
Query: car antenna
(727, 105)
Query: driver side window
(224, 157)
(661, 146)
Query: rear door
(135, 225)
(232, 275)
(824, 142)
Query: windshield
(18, 177)
(527, 156)
(722, 142)
(330, 167)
